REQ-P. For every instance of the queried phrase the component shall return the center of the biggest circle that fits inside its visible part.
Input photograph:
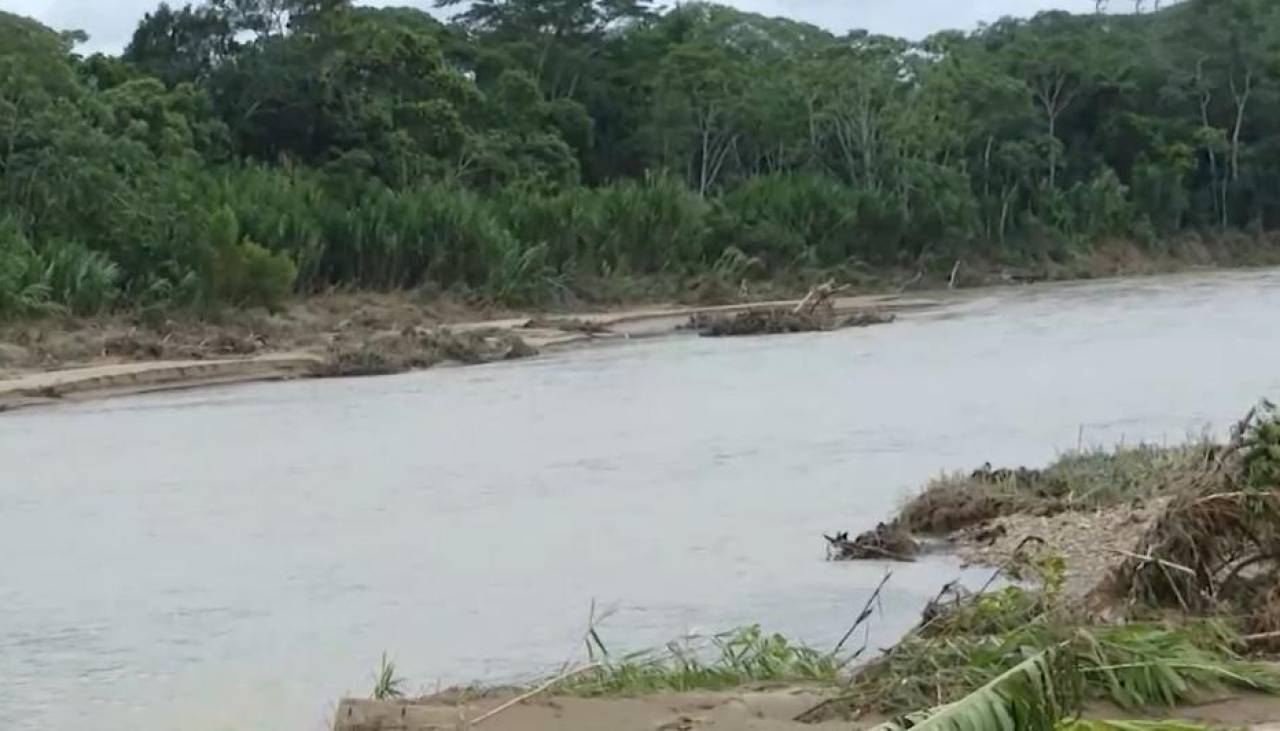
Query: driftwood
(885, 542)
(819, 296)
(815, 313)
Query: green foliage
(1134, 666)
(61, 276)
(1262, 450)
(86, 282)
(1023, 698)
(23, 290)
(1142, 665)
(242, 272)
(530, 144)
(387, 685)
(1085, 479)
(730, 660)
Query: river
(238, 558)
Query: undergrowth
(743, 656)
(1079, 480)
(966, 647)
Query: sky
(109, 23)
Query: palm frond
(1024, 698)
(1142, 665)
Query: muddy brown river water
(238, 558)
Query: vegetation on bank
(242, 151)
(1082, 480)
(1162, 628)
(1167, 628)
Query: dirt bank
(1091, 544)
(347, 335)
(748, 709)
(760, 709)
(128, 378)
(1090, 508)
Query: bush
(242, 272)
(85, 282)
(653, 225)
(785, 218)
(23, 290)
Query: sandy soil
(746, 710)
(1091, 544)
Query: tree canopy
(240, 150)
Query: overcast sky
(111, 22)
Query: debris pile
(815, 313)
(415, 348)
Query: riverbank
(334, 336)
(746, 709)
(1097, 541)
(382, 333)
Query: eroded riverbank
(1143, 588)
(112, 360)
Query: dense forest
(243, 150)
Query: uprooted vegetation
(1184, 619)
(1078, 481)
(1217, 546)
(1081, 481)
(1024, 654)
(416, 348)
(1207, 569)
(778, 321)
(815, 313)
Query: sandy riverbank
(49, 361)
(748, 709)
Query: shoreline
(122, 377)
(52, 361)
(1099, 647)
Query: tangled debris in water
(887, 541)
(780, 321)
(815, 313)
(415, 348)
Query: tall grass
(743, 656)
(56, 277)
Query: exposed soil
(758, 709)
(1091, 544)
(316, 325)
(743, 710)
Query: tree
(182, 45)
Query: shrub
(85, 282)
(242, 272)
(23, 290)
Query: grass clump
(1081, 480)
(387, 684)
(970, 650)
(741, 657)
